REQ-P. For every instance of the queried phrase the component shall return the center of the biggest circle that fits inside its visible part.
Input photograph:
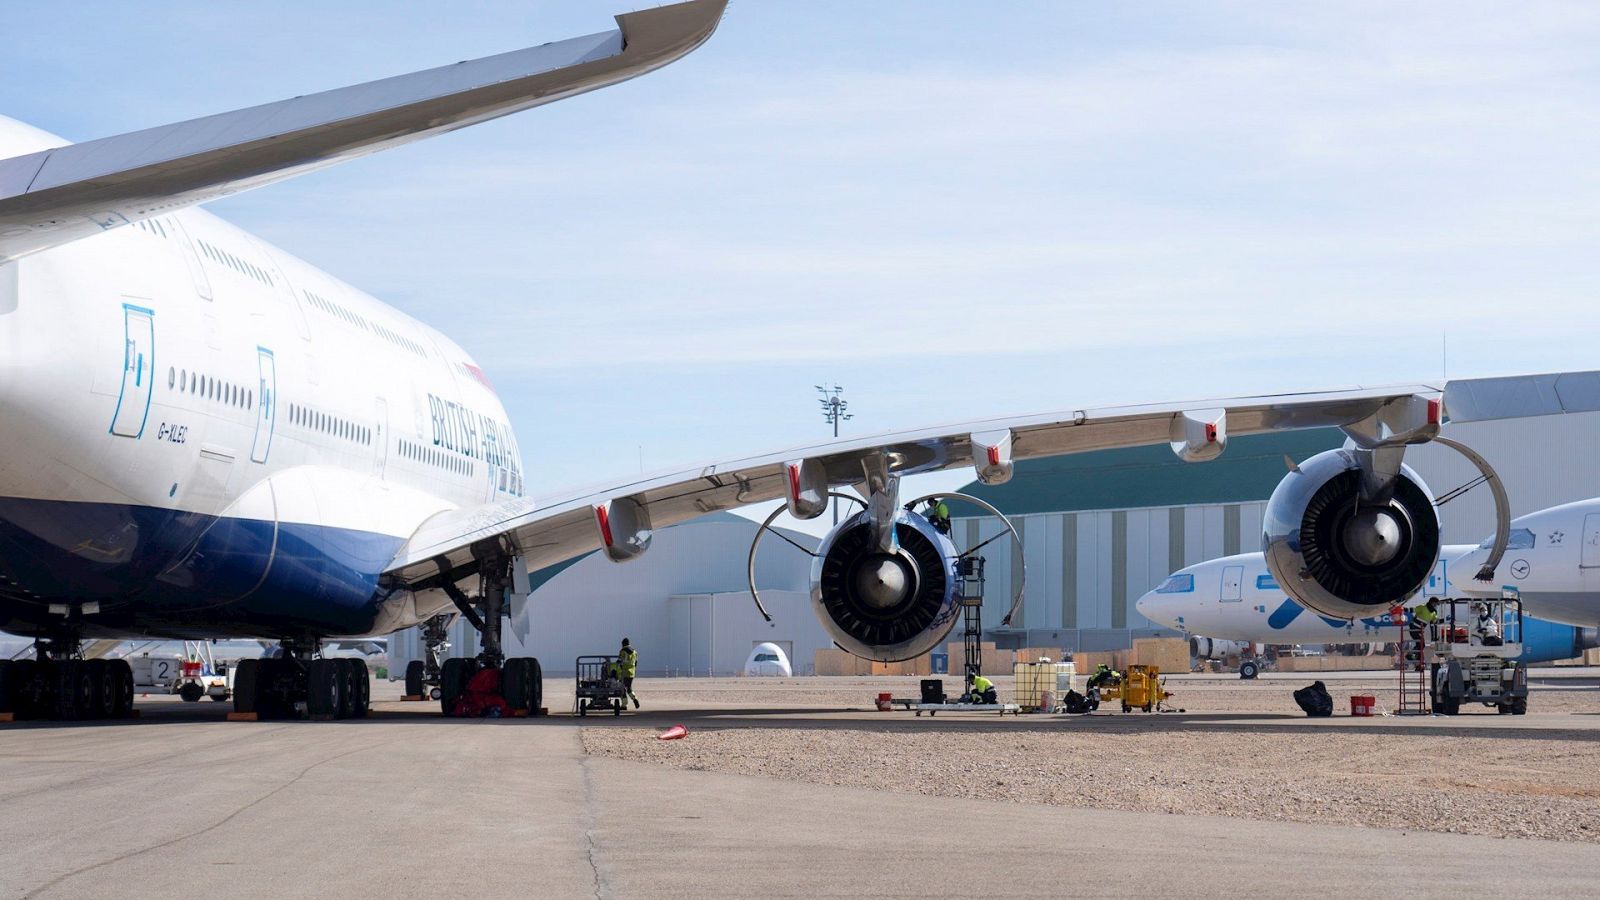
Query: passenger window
(172, 377)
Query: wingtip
(671, 31)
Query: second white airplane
(1226, 603)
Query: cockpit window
(1521, 539)
(766, 657)
(1177, 584)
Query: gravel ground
(1193, 694)
(1537, 784)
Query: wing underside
(549, 530)
(60, 195)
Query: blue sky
(954, 209)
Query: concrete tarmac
(404, 804)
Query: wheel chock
(8, 717)
(243, 717)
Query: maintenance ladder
(1411, 660)
(969, 592)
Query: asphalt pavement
(404, 804)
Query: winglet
(56, 196)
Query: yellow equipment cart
(1142, 689)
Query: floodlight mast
(833, 412)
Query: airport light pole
(833, 412)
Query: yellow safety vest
(628, 661)
(1425, 615)
(981, 684)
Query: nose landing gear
(489, 685)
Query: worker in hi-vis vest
(628, 663)
(983, 690)
(1422, 618)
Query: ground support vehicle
(598, 687)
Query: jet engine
(886, 605)
(1214, 648)
(1345, 544)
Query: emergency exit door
(138, 371)
(1231, 578)
(266, 404)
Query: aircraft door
(266, 404)
(138, 371)
(1231, 578)
(1591, 542)
(380, 438)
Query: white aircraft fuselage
(1236, 599)
(207, 437)
(1552, 560)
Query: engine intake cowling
(1214, 648)
(890, 606)
(1340, 555)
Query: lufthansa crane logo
(1520, 569)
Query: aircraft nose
(1151, 607)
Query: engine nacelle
(1341, 556)
(1213, 648)
(890, 606)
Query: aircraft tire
(121, 674)
(345, 670)
(10, 689)
(29, 689)
(519, 683)
(1248, 670)
(414, 674)
(74, 694)
(104, 704)
(538, 687)
(453, 678)
(363, 703)
(325, 688)
(247, 686)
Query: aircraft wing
(56, 196)
(549, 530)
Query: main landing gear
(298, 682)
(489, 685)
(60, 684)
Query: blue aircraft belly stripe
(171, 573)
